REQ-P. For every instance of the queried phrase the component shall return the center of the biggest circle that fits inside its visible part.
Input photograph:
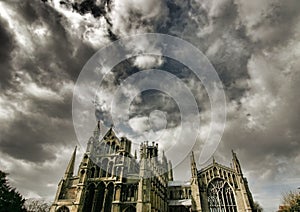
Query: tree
(10, 199)
(257, 207)
(37, 205)
(291, 202)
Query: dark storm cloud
(7, 42)
(59, 109)
(97, 9)
(60, 58)
(272, 28)
(227, 45)
(29, 137)
(152, 100)
(59, 48)
(230, 51)
(276, 131)
(220, 36)
(250, 43)
(53, 65)
(91, 6)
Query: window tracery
(221, 197)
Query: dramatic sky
(253, 45)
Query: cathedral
(111, 179)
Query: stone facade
(110, 178)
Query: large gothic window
(99, 195)
(109, 197)
(104, 167)
(220, 197)
(88, 202)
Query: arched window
(114, 171)
(118, 172)
(98, 150)
(130, 193)
(220, 197)
(107, 147)
(234, 181)
(63, 209)
(92, 172)
(104, 167)
(89, 197)
(215, 172)
(110, 169)
(113, 145)
(109, 197)
(130, 209)
(102, 147)
(221, 173)
(100, 191)
(81, 175)
(190, 194)
(97, 172)
(207, 176)
(171, 194)
(180, 194)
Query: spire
(135, 154)
(193, 163)
(164, 159)
(236, 163)
(70, 167)
(193, 166)
(214, 161)
(97, 130)
(170, 171)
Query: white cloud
(130, 17)
(147, 61)
(139, 124)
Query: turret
(164, 160)
(170, 171)
(143, 201)
(193, 166)
(135, 154)
(97, 131)
(95, 137)
(195, 185)
(236, 163)
(143, 152)
(70, 168)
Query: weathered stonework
(110, 178)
